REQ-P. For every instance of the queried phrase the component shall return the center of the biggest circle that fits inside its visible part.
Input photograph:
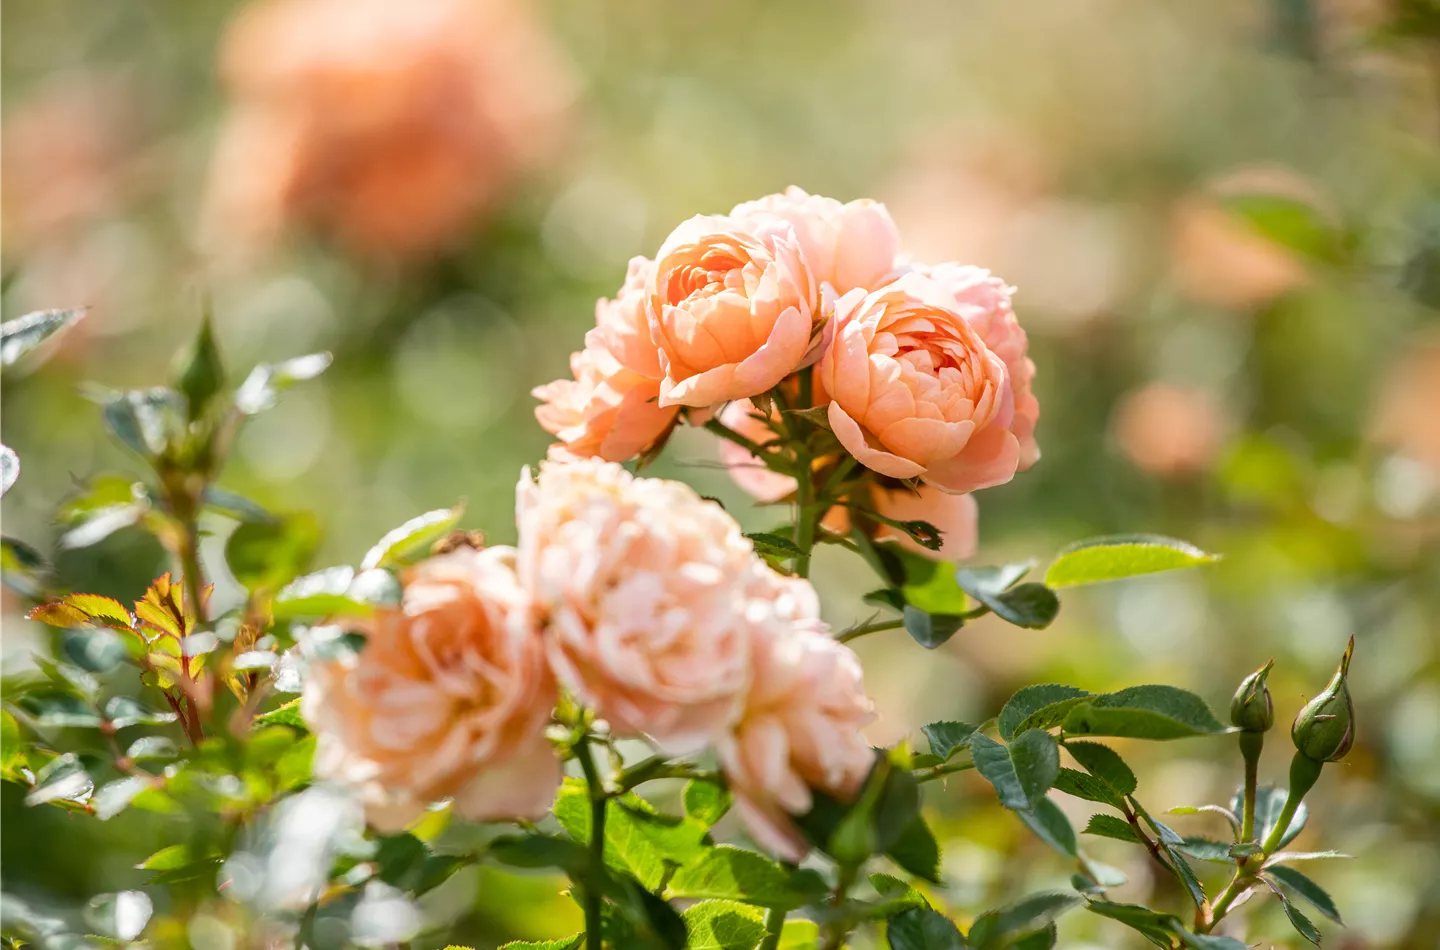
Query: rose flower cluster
(647, 604)
(922, 370)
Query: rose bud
(1325, 728)
(1252, 709)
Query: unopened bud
(1252, 709)
(1325, 728)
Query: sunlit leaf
(706, 802)
(947, 738)
(1144, 712)
(723, 925)
(1118, 556)
(121, 916)
(414, 536)
(63, 779)
(730, 873)
(23, 334)
(263, 386)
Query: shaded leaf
(1118, 556)
(931, 630)
(1086, 786)
(123, 711)
(146, 421)
(1108, 826)
(1169, 841)
(1269, 803)
(921, 928)
(59, 710)
(1037, 707)
(1302, 924)
(1022, 771)
(917, 851)
(270, 554)
(1144, 712)
(1105, 764)
(202, 373)
(1292, 880)
(768, 544)
(1048, 823)
(1004, 926)
(1206, 850)
(413, 537)
(948, 737)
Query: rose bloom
(640, 586)
(389, 125)
(847, 245)
(449, 699)
(624, 326)
(1168, 430)
(606, 411)
(915, 391)
(956, 516)
(801, 727)
(984, 300)
(732, 307)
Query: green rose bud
(1325, 728)
(1252, 709)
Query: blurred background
(1223, 219)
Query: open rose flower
(915, 391)
(732, 308)
(984, 300)
(607, 410)
(640, 586)
(449, 699)
(801, 727)
(847, 245)
(624, 325)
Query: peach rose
(449, 699)
(732, 308)
(847, 245)
(915, 391)
(606, 411)
(801, 727)
(749, 472)
(640, 586)
(1168, 430)
(984, 300)
(624, 326)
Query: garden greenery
(447, 681)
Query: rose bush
(635, 634)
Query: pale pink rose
(984, 300)
(915, 391)
(640, 585)
(732, 308)
(847, 245)
(449, 699)
(956, 517)
(623, 323)
(606, 411)
(801, 728)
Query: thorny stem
(598, 798)
(1150, 845)
(940, 771)
(807, 512)
(835, 930)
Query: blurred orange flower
(1407, 417)
(388, 125)
(1168, 430)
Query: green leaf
(285, 715)
(539, 851)
(917, 851)
(321, 594)
(1144, 712)
(1048, 823)
(1159, 928)
(1108, 826)
(123, 711)
(1282, 857)
(931, 630)
(881, 814)
(1105, 764)
(723, 925)
(269, 554)
(202, 373)
(1086, 786)
(563, 943)
(1123, 555)
(637, 839)
(9, 468)
(897, 894)
(1206, 849)
(987, 581)
(1029, 915)
(1037, 707)
(167, 858)
(800, 935)
(400, 545)
(1169, 841)
(1209, 941)
(9, 742)
(729, 873)
(768, 544)
(23, 334)
(263, 386)
(235, 506)
(96, 651)
(948, 737)
(1302, 924)
(1293, 224)
(1269, 803)
(1027, 605)
(1022, 771)
(62, 779)
(114, 797)
(929, 585)
(921, 928)
(1293, 881)
(706, 802)
(146, 421)
(59, 710)
(152, 747)
(1040, 940)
